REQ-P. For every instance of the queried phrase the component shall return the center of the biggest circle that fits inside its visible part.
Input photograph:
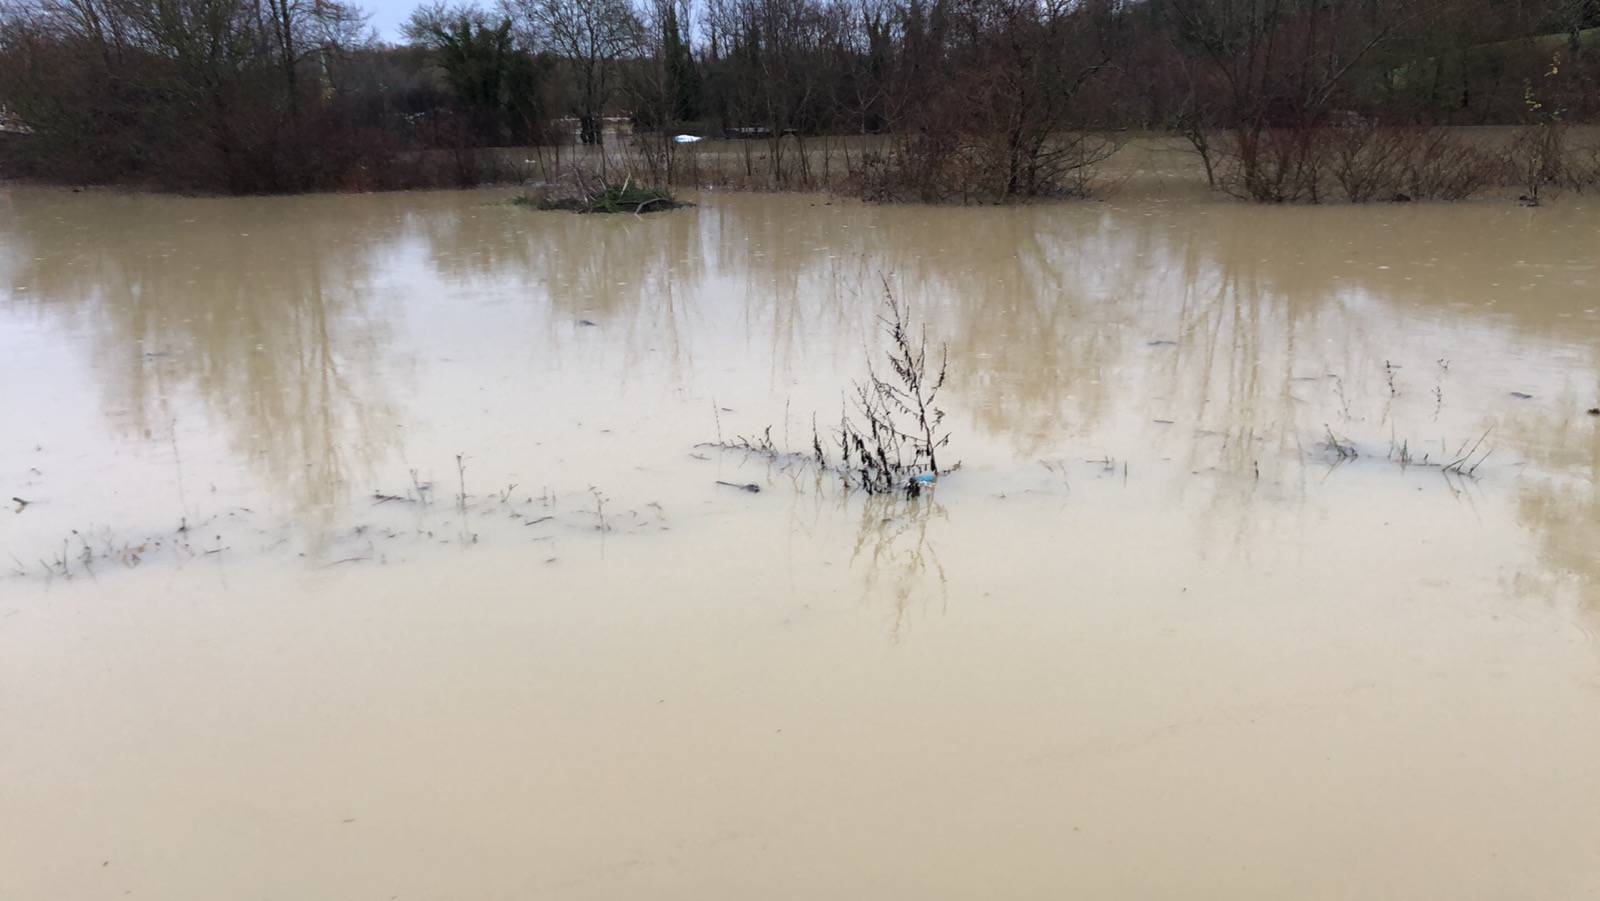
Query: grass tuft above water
(624, 198)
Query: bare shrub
(1537, 158)
(1369, 162)
(891, 429)
(1272, 165)
(1581, 172)
(926, 167)
(658, 153)
(891, 440)
(966, 167)
(1374, 162)
(1363, 160)
(1441, 167)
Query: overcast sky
(387, 16)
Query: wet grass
(891, 427)
(397, 524)
(624, 198)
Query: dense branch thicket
(1282, 100)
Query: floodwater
(263, 635)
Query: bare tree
(1281, 67)
(774, 70)
(300, 30)
(592, 37)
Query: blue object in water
(926, 478)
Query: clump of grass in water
(891, 428)
(604, 198)
(1342, 448)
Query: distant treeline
(990, 98)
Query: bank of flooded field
(373, 547)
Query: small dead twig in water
(21, 504)
(1400, 452)
(1344, 449)
(751, 487)
(761, 445)
(1459, 465)
(461, 475)
(534, 522)
(1338, 390)
(379, 497)
(1473, 469)
(60, 562)
(86, 556)
(1438, 386)
(599, 509)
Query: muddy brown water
(1155, 639)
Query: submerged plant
(586, 197)
(891, 427)
(1341, 448)
(892, 441)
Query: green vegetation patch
(625, 198)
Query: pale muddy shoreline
(1161, 636)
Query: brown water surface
(1156, 639)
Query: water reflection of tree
(262, 311)
(639, 276)
(1057, 316)
(1562, 511)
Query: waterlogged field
(374, 547)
